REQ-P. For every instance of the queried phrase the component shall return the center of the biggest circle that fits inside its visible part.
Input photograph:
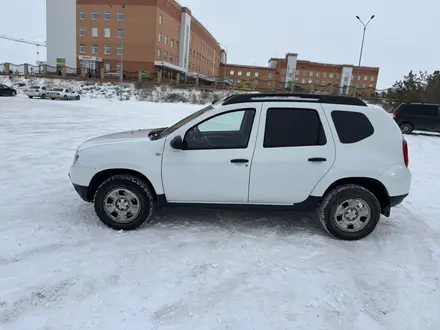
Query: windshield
(57, 89)
(185, 120)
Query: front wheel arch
(100, 177)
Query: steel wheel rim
(122, 205)
(352, 215)
(406, 128)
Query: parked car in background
(37, 91)
(418, 116)
(304, 151)
(7, 91)
(63, 94)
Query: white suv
(307, 152)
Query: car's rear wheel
(43, 96)
(65, 97)
(349, 212)
(14, 93)
(406, 128)
(124, 202)
(77, 97)
(30, 97)
(53, 98)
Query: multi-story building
(339, 78)
(147, 34)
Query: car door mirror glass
(177, 143)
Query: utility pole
(360, 55)
(121, 74)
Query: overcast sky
(405, 35)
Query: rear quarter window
(352, 126)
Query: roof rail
(293, 97)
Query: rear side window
(419, 110)
(351, 126)
(293, 127)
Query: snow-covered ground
(61, 269)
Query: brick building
(311, 76)
(149, 34)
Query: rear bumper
(396, 200)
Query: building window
(256, 74)
(364, 86)
(121, 15)
(94, 15)
(269, 75)
(171, 59)
(82, 48)
(324, 75)
(303, 73)
(158, 53)
(159, 38)
(166, 40)
(82, 14)
(331, 75)
(372, 78)
(107, 15)
(95, 32)
(366, 78)
(120, 50)
(303, 81)
(94, 49)
(359, 78)
(172, 43)
(82, 32)
(324, 83)
(107, 33)
(118, 67)
(231, 73)
(311, 74)
(239, 73)
(248, 74)
(107, 66)
(120, 33)
(317, 74)
(338, 76)
(177, 60)
(160, 19)
(165, 55)
(107, 50)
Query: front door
(293, 152)
(214, 166)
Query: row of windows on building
(169, 58)
(95, 49)
(249, 74)
(106, 34)
(329, 75)
(325, 82)
(107, 15)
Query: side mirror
(177, 143)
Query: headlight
(75, 158)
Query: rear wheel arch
(100, 177)
(374, 186)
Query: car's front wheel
(30, 96)
(65, 97)
(124, 202)
(349, 212)
(78, 97)
(43, 96)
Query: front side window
(230, 130)
(293, 127)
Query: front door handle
(239, 161)
(317, 159)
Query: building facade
(148, 35)
(310, 76)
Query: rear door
(294, 150)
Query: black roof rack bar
(293, 97)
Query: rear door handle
(239, 161)
(317, 159)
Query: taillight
(394, 114)
(405, 152)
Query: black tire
(406, 128)
(53, 98)
(31, 97)
(142, 191)
(77, 98)
(337, 196)
(14, 93)
(43, 96)
(65, 98)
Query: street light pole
(121, 73)
(362, 49)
